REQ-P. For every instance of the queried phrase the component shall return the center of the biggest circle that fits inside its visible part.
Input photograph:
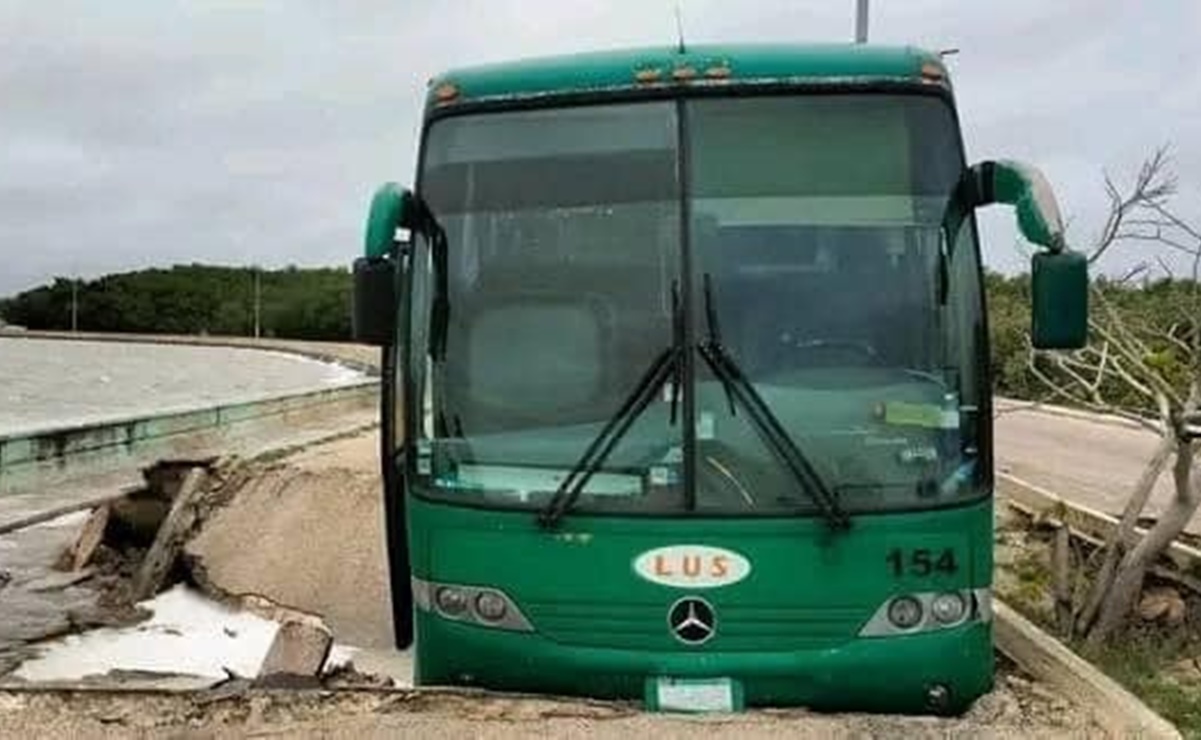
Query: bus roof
(698, 65)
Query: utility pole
(861, 21)
(75, 305)
(258, 300)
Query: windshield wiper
(738, 386)
(666, 365)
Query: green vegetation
(1161, 670)
(1158, 311)
(1158, 662)
(195, 299)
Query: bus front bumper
(935, 672)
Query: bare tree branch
(1151, 186)
(1061, 391)
(1176, 221)
(1126, 376)
(1134, 272)
(1153, 378)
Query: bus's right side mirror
(373, 321)
(1059, 295)
(376, 273)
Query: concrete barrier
(55, 455)
(359, 357)
(1049, 661)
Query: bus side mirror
(375, 306)
(1059, 293)
(1059, 315)
(376, 274)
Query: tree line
(291, 303)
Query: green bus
(686, 390)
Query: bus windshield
(803, 232)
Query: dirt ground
(1017, 709)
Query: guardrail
(50, 456)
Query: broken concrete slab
(38, 600)
(58, 581)
(186, 634)
(326, 497)
(80, 553)
(296, 657)
(171, 537)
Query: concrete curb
(1011, 405)
(1051, 662)
(1093, 524)
(50, 456)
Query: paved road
(1092, 462)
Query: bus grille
(739, 627)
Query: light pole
(861, 21)
(258, 300)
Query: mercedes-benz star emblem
(692, 620)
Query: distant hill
(195, 299)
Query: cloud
(231, 132)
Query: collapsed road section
(220, 583)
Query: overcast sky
(146, 133)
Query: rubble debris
(171, 536)
(296, 657)
(91, 536)
(135, 518)
(58, 581)
(346, 675)
(1162, 604)
(1186, 671)
(168, 477)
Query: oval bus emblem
(692, 566)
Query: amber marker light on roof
(683, 73)
(446, 92)
(719, 71)
(648, 74)
(932, 73)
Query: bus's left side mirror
(1059, 316)
(376, 272)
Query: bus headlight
(948, 608)
(482, 605)
(451, 600)
(905, 612)
(490, 606)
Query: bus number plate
(694, 695)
